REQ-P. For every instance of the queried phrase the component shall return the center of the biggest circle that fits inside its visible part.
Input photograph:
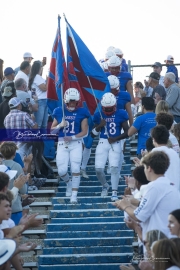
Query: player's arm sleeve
(86, 114)
(96, 119)
(128, 97)
(125, 116)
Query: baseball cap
(27, 54)
(157, 64)
(10, 173)
(155, 76)
(14, 102)
(7, 249)
(8, 91)
(8, 71)
(169, 58)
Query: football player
(71, 131)
(125, 78)
(108, 125)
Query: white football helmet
(71, 94)
(109, 54)
(114, 82)
(108, 103)
(114, 61)
(117, 51)
(110, 48)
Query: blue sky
(146, 30)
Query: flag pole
(62, 96)
(98, 108)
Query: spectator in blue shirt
(143, 124)
(171, 67)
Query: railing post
(129, 66)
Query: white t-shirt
(174, 141)
(143, 190)
(7, 224)
(21, 75)
(173, 172)
(1, 234)
(159, 200)
(161, 81)
(38, 80)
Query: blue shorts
(16, 217)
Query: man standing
(25, 96)
(69, 148)
(24, 71)
(157, 67)
(159, 92)
(9, 77)
(17, 119)
(27, 57)
(171, 67)
(173, 95)
(9, 92)
(143, 124)
(109, 146)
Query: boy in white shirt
(159, 199)
(167, 120)
(160, 136)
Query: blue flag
(85, 70)
(57, 74)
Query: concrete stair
(90, 234)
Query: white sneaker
(31, 188)
(114, 196)
(69, 189)
(84, 174)
(73, 199)
(105, 191)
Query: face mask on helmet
(114, 64)
(108, 103)
(72, 98)
(109, 110)
(72, 105)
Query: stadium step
(90, 234)
(85, 258)
(88, 242)
(107, 266)
(97, 206)
(84, 213)
(82, 250)
(87, 234)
